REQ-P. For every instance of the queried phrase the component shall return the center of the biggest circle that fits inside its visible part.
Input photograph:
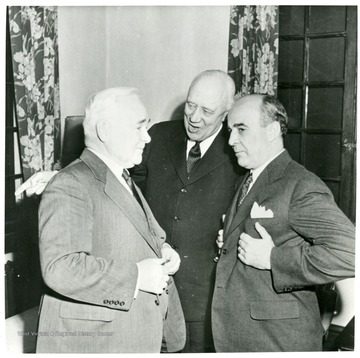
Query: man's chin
(242, 163)
(193, 136)
(137, 160)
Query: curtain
(33, 33)
(253, 49)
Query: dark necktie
(194, 157)
(131, 185)
(245, 189)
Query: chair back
(73, 143)
(327, 298)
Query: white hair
(226, 80)
(98, 106)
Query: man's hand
(256, 252)
(219, 243)
(36, 183)
(152, 276)
(220, 239)
(172, 258)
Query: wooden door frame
(347, 200)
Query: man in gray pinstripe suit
(103, 255)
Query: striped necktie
(245, 189)
(194, 157)
(131, 185)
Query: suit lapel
(130, 207)
(218, 152)
(216, 155)
(120, 196)
(177, 152)
(244, 209)
(259, 192)
(153, 225)
(232, 211)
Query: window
(317, 85)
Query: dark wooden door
(317, 85)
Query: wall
(161, 49)
(82, 56)
(157, 49)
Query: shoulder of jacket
(294, 169)
(167, 126)
(305, 179)
(78, 170)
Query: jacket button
(224, 252)
(176, 218)
(183, 190)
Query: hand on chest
(270, 208)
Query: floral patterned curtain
(253, 48)
(33, 32)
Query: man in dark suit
(102, 253)
(189, 204)
(283, 234)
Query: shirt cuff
(167, 245)
(137, 283)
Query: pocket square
(258, 212)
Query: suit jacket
(189, 209)
(277, 309)
(92, 234)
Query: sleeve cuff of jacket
(123, 297)
(282, 271)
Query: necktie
(131, 185)
(194, 157)
(245, 189)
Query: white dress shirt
(204, 145)
(256, 172)
(116, 169)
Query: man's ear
(102, 130)
(224, 116)
(273, 130)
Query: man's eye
(191, 105)
(208, 113)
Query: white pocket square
(258, 211)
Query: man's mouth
(192, 128)
(239, 153)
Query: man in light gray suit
(103, 255)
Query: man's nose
(232, 138)
(195, 116)
(145, 137)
